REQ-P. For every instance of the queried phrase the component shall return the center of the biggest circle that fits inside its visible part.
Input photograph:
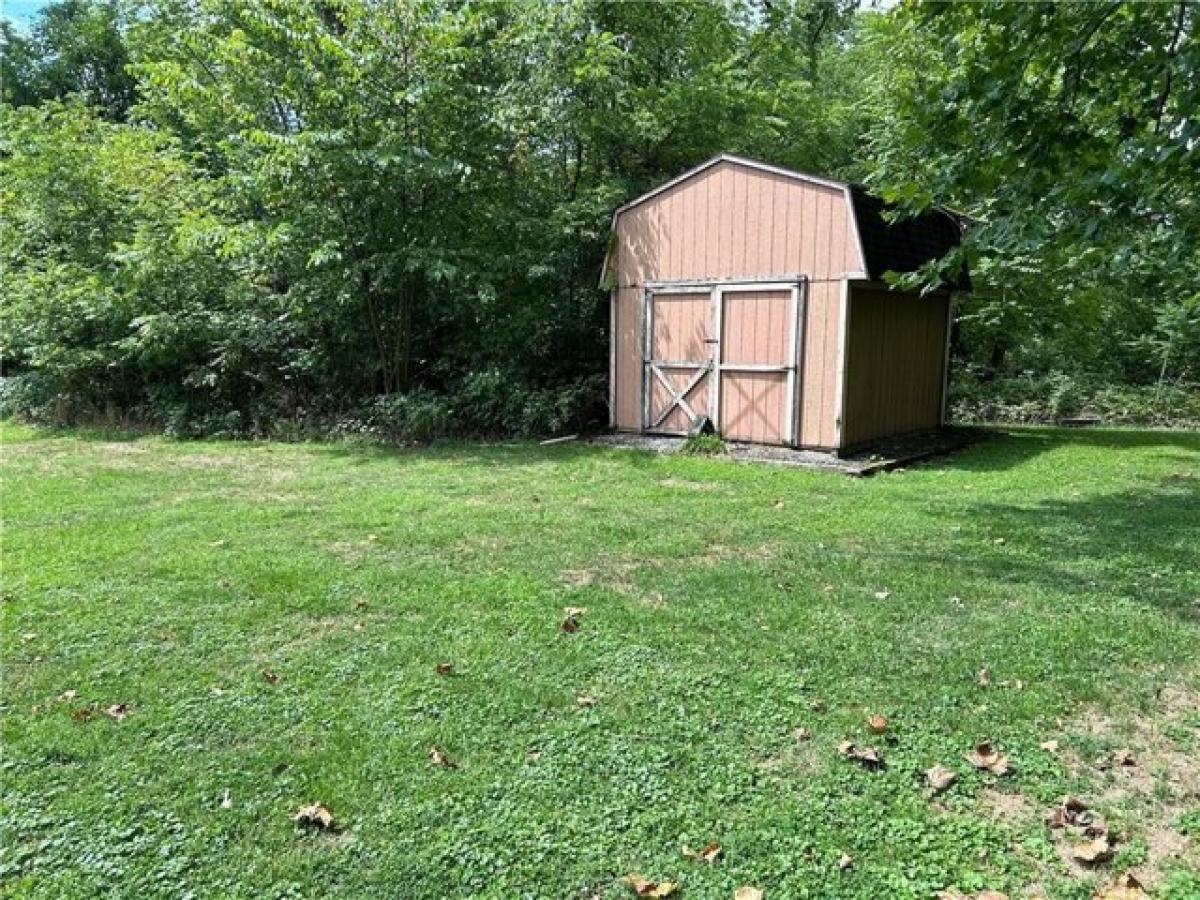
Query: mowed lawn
(273, 618)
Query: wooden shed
(754, 295)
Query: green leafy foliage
(364, 200)
(259, 217)
(1067, 132)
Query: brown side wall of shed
(895, 357)
(733, 222)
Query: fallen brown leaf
(644, 887)
(939, 778)
(270, 677)
(867, 756)
(119, 711)
(988, 758)
(1097, 850)
(709, 853)
(314, 817)
(747, 892)
(439, 757)
(877, 724)
(445, 668)
(82, 713)
(1123, 887)
(573, 616)
(1073, 812)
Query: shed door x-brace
(728, 351)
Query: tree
(1068, 132)
(77, 48)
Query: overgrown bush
(1048, 398)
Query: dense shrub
(1044, 399)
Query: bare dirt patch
(690, 485)
(577, 578)
(617, 576)
(1004, 807)
(1147, 775)
(717, 554)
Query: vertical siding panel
(755, 213)
(814, 336)
(821, 235)
(798, 220)
(693, 220)
(737, 221)
(838, 243)
(774, 237)
(830, 373)
(723, 222)
(671, 236)
(898, 347)
(628, 260)
(629, 359)
(788, 259)
(679, 232)
(809, 235)
(705, 222)
(653, 241)
(833, 375)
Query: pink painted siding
(819, 376)
(681, 325)
(756, 329)
(731, 221)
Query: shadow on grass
(1140, 543)
(1003, 447)
(515, 451)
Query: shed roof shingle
(907, 244)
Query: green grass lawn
(728, 605)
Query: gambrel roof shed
(753, 294)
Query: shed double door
(726, 351)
